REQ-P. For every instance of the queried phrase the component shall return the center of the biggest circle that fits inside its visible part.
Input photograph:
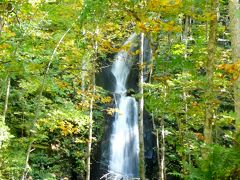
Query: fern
(176, 174)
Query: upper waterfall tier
(121, 68)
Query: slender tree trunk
(207, 24)
(234, 8)
(37, 107)
(6, 99)
(163, 147)
(141, 108)
(163, 143)
(25, 172)
(90, 132)
(185, 35)
(182, 132)
(209, 74)
(158, 146)
(89, 150)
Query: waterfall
(124, 139)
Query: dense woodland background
(52, 113)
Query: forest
(119, 89)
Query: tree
(210, 65)
(234, 7)
(141, 109)
(90, 137)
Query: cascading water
(124, 140)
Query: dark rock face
(100, 157)
(105, 79)
(132, 81)
(149, 144)
(101, 154)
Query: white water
(124, 140)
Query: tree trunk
(182, 132)
(89, 150)
(26, 168)
(234, 7)
(163, 144)
(207, 24)
(209, 74)
(141, 106)
(185, 35)
(163, 147)
(6, 99)
(157, 146)
(186, 32)
(37, 106)
(90, 132)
